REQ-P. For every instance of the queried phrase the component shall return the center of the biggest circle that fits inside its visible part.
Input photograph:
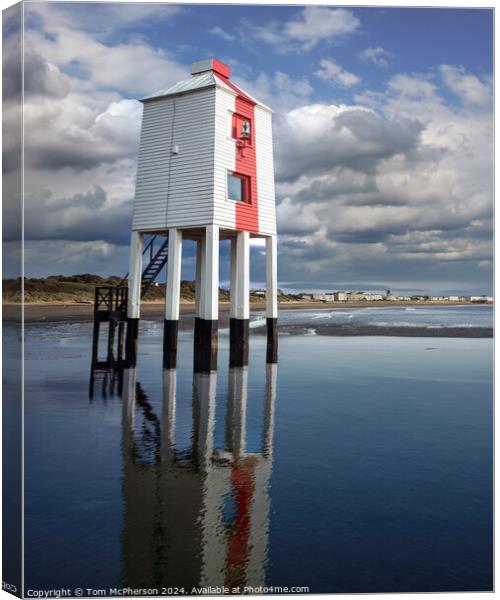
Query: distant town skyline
(383, 144)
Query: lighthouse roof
(205, 73)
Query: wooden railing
(111, 298)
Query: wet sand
(75, 311)
(397, 331)
(40, 313)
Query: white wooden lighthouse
(205, 173)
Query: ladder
(153, 269)
(156, 263)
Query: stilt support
(272, 299)
(238, 342)
(207, 313)
(95, 342)
(111, 342)
(205, 346)
(171, 325)
(272, 341)
(240, 300)
(134, 298)
(170, 331)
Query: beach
(78, 312)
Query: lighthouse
(205, 173)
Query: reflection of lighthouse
(196, 517)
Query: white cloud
(120, 66)
(377, 55)
(106, 18)
(279, 90)
(398, 181)
(50, 257)
(297, 218)
(82, 134)
(43, 78)
(311, 25)
(469, 88)
(78, 131)
(229, 37)
(415, 87)
(401, 190)
(333, 72)
(317, 138)
(317, 23)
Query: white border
(353, 3)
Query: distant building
(355, 296)
(481, 299)
(390, 295)
(326, 297)
(258, 292)
(304, 296)
(454, 298)
(371, 297)
(340, 296)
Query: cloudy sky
(383, 134)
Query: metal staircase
(153, 269)
(156, 263)
(110, 304)
(113, 299)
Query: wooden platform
(110, 306)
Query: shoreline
(75, 311)
(384, 331)
(63, 312)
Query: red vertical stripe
(247, 213)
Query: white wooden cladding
(188, 188)
(265, 171)
(176, 190)
(225, 159)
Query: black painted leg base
(272, 341)
(238, 342)
(131, 342)
(205, 345)
(170, 331)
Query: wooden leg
(95, 342)
(111, 342)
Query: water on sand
(355, 465)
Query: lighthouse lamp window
(241, 128)
(237, 187)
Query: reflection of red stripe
(247, 215)
(237, 541)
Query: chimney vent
(210, 64)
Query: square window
(238, 187)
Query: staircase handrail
(146, 248)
